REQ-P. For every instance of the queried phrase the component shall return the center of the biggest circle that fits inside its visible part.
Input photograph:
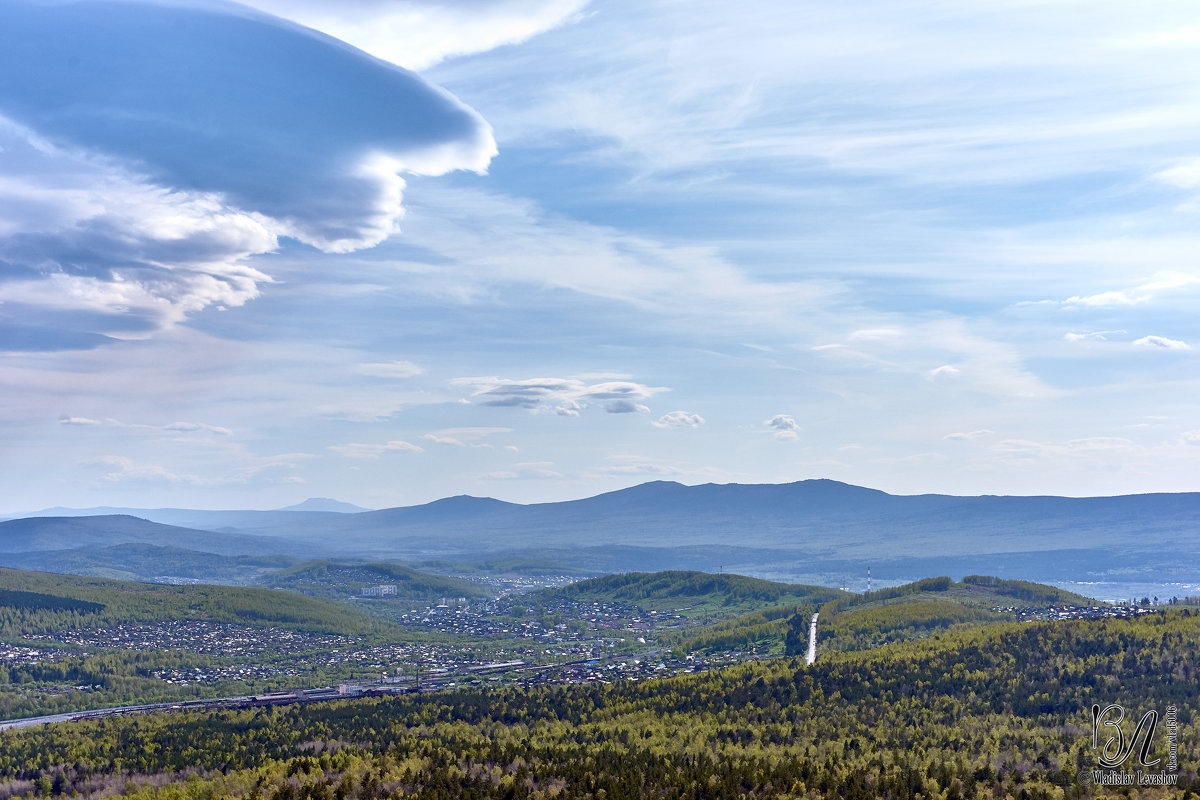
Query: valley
(923, 690)
(459, 662)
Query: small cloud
(566, 397)
(1134, 295)
(966, 437)
(1101, 336)
(1191, 437)
(1184, 175)
(66, 420)
(356, 450)
(464, 437)
(634, 466)
(569, 408)
(945, 369)
(536, 470)
(194, 427)
(639, 466)
(391, 369)
(678, 419)
(1161, 342)
(785, 427)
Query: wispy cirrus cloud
(1100, 336)
(968, 436)
(465, 437)
(174, 427)
(391, 369)
(534, 470)
(253, 471)
(359, 450)
(1142, 293)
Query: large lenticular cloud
(229, 126)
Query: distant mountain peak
(325, 504)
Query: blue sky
(388, 251)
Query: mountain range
(793, 531)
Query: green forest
(984, 712)
(78, 601)
(697, 592)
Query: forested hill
(40, 602)
(910, 611)
(679, 590)
(973, 590)
(336, 579)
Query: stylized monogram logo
(1116, 750)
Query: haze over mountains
(790, 530)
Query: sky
(387, 251)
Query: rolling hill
(74, 533)
(691, 593)
(338, 580)
(106, 601)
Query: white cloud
(391, 369)
(786, 428)
(65, 420)
(1135, 295)
(1028, 449)
(678, 419)
(263, 471)
(119, 469)
(464, 437)
(945, 369)
(534, 470)
(356, 450)
(638, 467)
(174, 427)
(1161, 342)
(197, 427)
(1184, 175)
(418, 34)
(563, 396)
(1097, 335)
(966, 437)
